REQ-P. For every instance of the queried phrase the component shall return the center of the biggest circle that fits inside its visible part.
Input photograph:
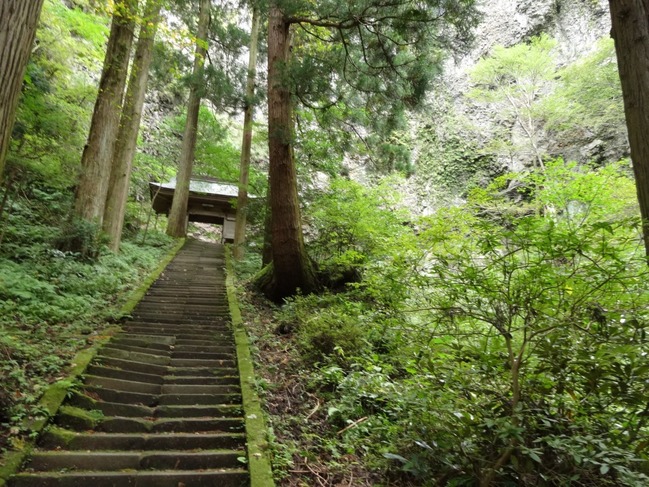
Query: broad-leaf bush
(493, 342)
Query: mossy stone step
(214, 348)
(122, 385)
(145, 460)
(115, 373)
(161, 403)
(57, 438)
(161, 411)
(163, 478)
(111, 408)
(197, 411)
(150, 343)
(189, 362)
(203, 380)
(166, 352)
(169, 425)
(198, 399)
(131, 365)
(200, 388)
(147, 358)
(228, 354)
(225, 371)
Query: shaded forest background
(481, 310)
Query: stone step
(161, 411)
(160, 478)
(166, 352)
(122, 384)
(190, 362)
(203, 380)
(200, 388)
(180, 327)
(57, 438)
(115, 373)
(191, 335)
(197, 355)
(196, 399)
(198, 411)
(202, 349)
(111, 408)
(193, 371)
(144, 460)
(147, 358)
(152, 400)
(131, 365)
(161, 403)
(144, 340)
(169, 425)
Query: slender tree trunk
(246, 144)
(18, 21)
(90, 198)
(291, 268)
(177, 225)
(129, 126)
(630, 21)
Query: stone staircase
(160, 406)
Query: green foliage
(53, 116)
(588, 96)
(54, 302)
(354, 224)
(499, 340)
(512, 79)
(449, 159)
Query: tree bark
(177, 225)
(18, 21)
(630, 31)
(292, 269)
(90, 198)
(246, 144)
(129, 126)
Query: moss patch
(261, 474)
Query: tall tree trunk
(90, 198)
(177, 225)
(267, 249)
(291, 267)
(129, 126)
(246, 144)
(18, 21)
(630, 21)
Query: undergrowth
(54, 302)
(497, 343)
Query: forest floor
(307, 450)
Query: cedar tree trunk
(246, 144)
(97, 158)
(18, 21)
(129, 126)
(291, 268)
(630, 21)
(177, 225)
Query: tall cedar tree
(246, 144)
(630, 22)
(18, 21)
(129, 126)
(97, 158)
(382, 52)
(177, 225)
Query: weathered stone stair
(160, 406)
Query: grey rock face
(576, 25)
